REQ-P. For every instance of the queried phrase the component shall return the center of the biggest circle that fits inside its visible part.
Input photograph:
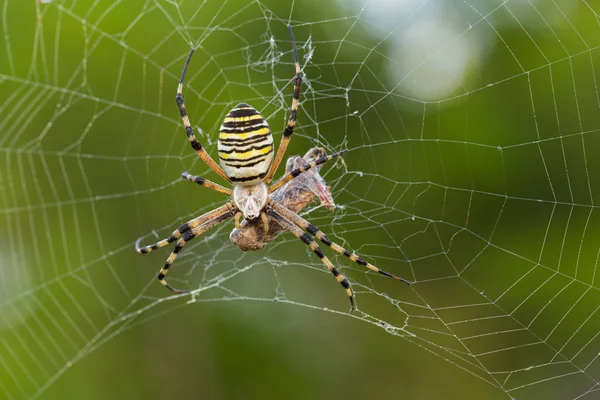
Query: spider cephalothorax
(250, 200)
(246, 155)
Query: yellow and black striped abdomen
(245, 145)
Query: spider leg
(191, 224)
(206, 183)
(310, 228)
(238, 217)
(289, 129)
(288, 225)
(292, 174)
(199, 230)
(188, 127)
(265, 221)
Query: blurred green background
(473, 171)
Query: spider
(245, 148)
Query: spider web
(471, 127)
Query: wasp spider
(245, 148)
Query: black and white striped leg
(191, 224)
(313, 230)
(199, 230)
(190, 131)
(288, 225)
(289, 129)
(206, 183)
(294, 173)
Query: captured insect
(245, 148)
(294, 195)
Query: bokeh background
(473, 171)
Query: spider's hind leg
(289, 129)
(189, 131)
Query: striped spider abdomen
(245, 145)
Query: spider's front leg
(191, 224)
(313, 230)
(289, 226)
(184, 234)
(194, 233)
